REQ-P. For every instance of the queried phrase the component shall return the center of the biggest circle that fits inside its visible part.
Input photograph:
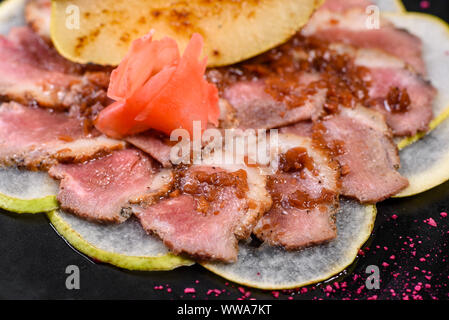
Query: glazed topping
(397, 101)
(298, 199)
(296, 159)
(292, 167)
(206, 187)
(281, 68)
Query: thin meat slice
(305, 197)
(362, 143)
(302, 129)
(345, 5)
(208, 212)
(102, 190)
(389, 87)
(401, 94)
(37, 16)
(346, 22)
(37, 138)
(33, 72)
(253, 107)
(153, 143)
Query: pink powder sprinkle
(242, 291)
(359, 290)
(422, 259)
(385, 248)
(443, 214)
(189, 290)
(275, 294)
(372, 298)
(424, 4)
(418, 288)
(431, 222)
(384, 264)
(168, 290)
(216, 291)
(392, 257)
(394, 217)
(328, 288)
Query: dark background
(411, 254)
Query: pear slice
(27, 191)
(272, 268)
(101, 31)
(124, 245)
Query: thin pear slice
(101, 31)
(425, 157)
(272, 268)
(123, 245)
(24, 191)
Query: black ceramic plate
(412, 257)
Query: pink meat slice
(210, 235)
(345, 21)
(386, 73)
(101, 190)
(366, 152)
(295, 228)
(33, 72)
(154, 144)
(37, 138)
(257, 109)
(421, 93)
(302, 129)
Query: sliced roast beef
(256, 109)
(33, 72)
(302, 129)
(208, 211)
(37, 15)
(404, 98)
(402, 95)
(346, 22)
(38, 138)
(155, 144)
(305, 196)
(362, 143)
(103, 189)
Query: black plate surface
(412, 257)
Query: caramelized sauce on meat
(207, 187)
(295, 161)
(398, 100)
(281, 68)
